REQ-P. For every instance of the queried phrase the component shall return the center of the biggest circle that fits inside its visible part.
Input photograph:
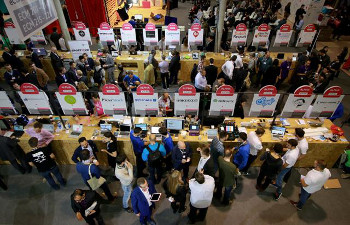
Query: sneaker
(129, 210)
(295, 204)
(277, 196)
(182, 210)
(245, 173)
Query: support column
(220, 26)
(62, 21)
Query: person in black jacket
(174, 67)
(86, 205)
(211, 44)
(206, 163)
(10, 58)
(212, 72)
(239, 108)
(12, 76)
(55, 37)
(271, 74)
(112, 149)
(63, 77)
(84, 144)
(181, 158)
(56, 60)
(176, 191)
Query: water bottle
(59, 125)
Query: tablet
(155, 197)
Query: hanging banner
(77, 48)
(306, 36)
(6, 106)
(150, 35)
(113, 103)
(283, 36)
(81, 33)
(265, 102)
(145, 100)
(36, 102)
(106, 34)
(261, 35)
(326, 104)
(12, 33)
(186, 101)
(298, 103)
(223, 101)
(71, 101)
(239, 35)
(172, 35)
(128, 34)
(195, 35)
(38, 38)
(31, 16)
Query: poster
(31, 16)
(298, 103)
(113, 102)
(71, 101)
(145, 101)
(239, 35)
(150, 35)
(223, 102)
(283, 36)
(6, 106)
(261, 35)
(326, 104)
(195, 35)
(36, 102)
(172, 35)
(106, 34)
(186, 101)
(77, 48)
(81, 33)
(12, 33)
(306, 36)
(39, 38)
(128, 34)
(264, 103)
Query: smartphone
(155, 197)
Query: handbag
(94, 182)
(247, 81)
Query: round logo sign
(81, 33)
(70, 99)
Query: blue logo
(264, 102)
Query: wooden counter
(63, 146)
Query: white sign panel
(81, 32)
(12, 33)
(150, 35)
(113, 102)
(5, 104)
(283, 36)
(239, 35)
(172, 35)
(186, 101)
(306, 36)
(298, 103)
(106, 34)
(195, 35)
(71, 101)
(145, 100)
(223, 102)
(128, 34)
(326, 104)
(36, 102)
(77, 48)
(264, 103)
(39, 38)
(261, 35)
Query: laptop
(17, 131)
(144, 128)
(155, 130)
(105, 128)
(194, 130)
(138, 17)
(124, 130)
(277, 132)
(211, 133)
(76, 131)
(40, 51)
(49, 127)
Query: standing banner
(6, 106)
(71, 101)
(150, 35)
(128, 34)
(81, 33)
(172, 35)
(306, 36)
(265, 102)
(298, 103)
(326, 104)
(239, 35)
(186, 101)
(38, 38)
(106, 34)
(261, 35)
(145, 100)
(12, 33)
(113, 102)
(31, 16)
(77, 48)
(223, 102)
(283, 36)
(195, 35)
(36, 102)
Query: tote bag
(94, 182)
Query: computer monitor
(138, 16)
(194, 127)
(280, 131)
(49, 127)
(229, 128)
(174, 124)
(280, 56)
(143, 126)
(124, 127)
(77, 128)
(155, 130)
(106, 126)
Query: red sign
(67, 89)
(263, 27)
(310, 28)
(110, 89)
(150, 27)
(333, 92)
(105, 26)
(29, 89)
(80, 26)
(241, 27)
(196, 27)
(172, 26)
(187, 90)
(9, 25)
(303, 91)
(127, 26)
(285, 28)
(225, 90)
(144, 89)
(268, 90)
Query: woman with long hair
(176, 191)
(112, 150)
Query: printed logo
(264, 102)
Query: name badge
(264, 63)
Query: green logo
(70, 99)
(215, 100)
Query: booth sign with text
(113, 103)
(145, 100)
(264, 103)
(36, 102)
(223, 101)
(186, 101)
(71, 101)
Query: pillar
(62, 21)
(220, 26)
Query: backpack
(97, 76)
(154, 157)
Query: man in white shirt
(206, 162)
(254, 140)
(289, 159)
(312, 182)
(239, 62)
(164, 72)
(228, 68)
(200, 81)
(202, 188)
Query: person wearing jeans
(164, 72)
(124, 172)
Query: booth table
(63, 146)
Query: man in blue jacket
(181, 157)
(85, 144)
(168, 145)
(241, 157)
(141, 200)
(138, 146)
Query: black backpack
(154, 157)
(97, 76)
